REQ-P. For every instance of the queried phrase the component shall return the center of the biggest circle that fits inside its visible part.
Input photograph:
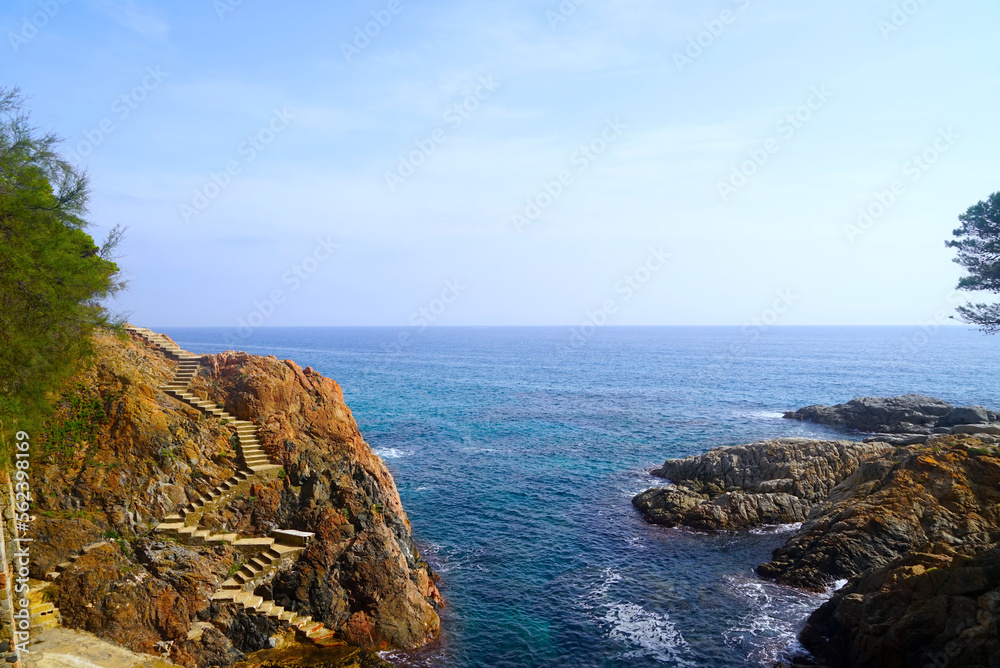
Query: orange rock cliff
(198, 507)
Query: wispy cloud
(127, 13)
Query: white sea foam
(777, 528)
(643, 633)
(760, 415)
(771, 630)
(653, 635)
(392, 453)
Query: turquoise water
(516, 454)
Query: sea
(517, 451)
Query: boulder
(968, 415)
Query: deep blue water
(516, 455)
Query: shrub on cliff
(978, 244)
(53, 277)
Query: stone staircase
(44, 615)
(265, 555)
(57, 571)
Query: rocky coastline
(123, 456)
(911, 520)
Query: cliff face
(362, 573)
(122, 456)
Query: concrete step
(169, 526)
(267, 467)
(261, 564)
(224, 595)
(262, 543)
(222, 538)
(44, 624)
(321, 633)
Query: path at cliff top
(122, 455)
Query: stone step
(321, 633)
(224, 595)
(232, 585)
(276, 611)
(262, 543)
(267, 467)
(169, 526)
(330, 641)
(39, 609)
(226, 538)
(287, 616)
(261, 564)
(310, 626)
(47, 623)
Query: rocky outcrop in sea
(914, 529)
(912, 414)
(741, 486)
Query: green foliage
(978, 244)
(237, 565)
(981, 451)
(53, 277)
(79, 415)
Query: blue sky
(525, 162)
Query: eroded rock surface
(914, 529)
(946, 493)
(908, 414)
(121, 455)
(741, 486)
(926, 608)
